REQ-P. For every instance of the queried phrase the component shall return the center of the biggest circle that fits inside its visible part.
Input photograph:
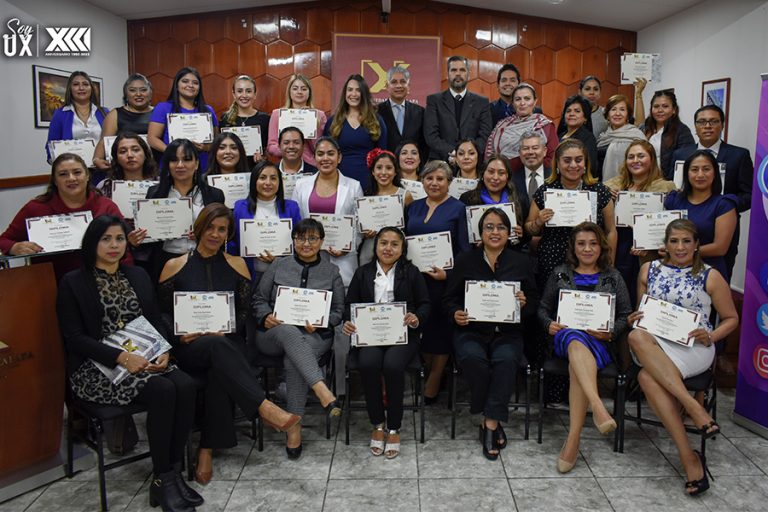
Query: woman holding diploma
(613, 142)
(713, 212)
(490, 351)
(571, 172)
(266, 200)
(301, 347)
(435, 213)
(587, 269)
(131, 161)
(682, 278)
(242, 112)
(227, 155)
(389, 278)
(218, 358)
(298, 95)
(408, 160)
(99, 299)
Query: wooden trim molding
(24, 181)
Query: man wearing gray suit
(455, 114)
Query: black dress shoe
(500, 437)
(164, 492)
(294, 453)
(190, 495)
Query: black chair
(417, 371)
(524, 368)
(557, 366)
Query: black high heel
(500, 437)
(706, 433)
(701, 485)
(333, 409)
(164, 492)
(488, 440)
(294, 453)
(190, 495)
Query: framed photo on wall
(50, 87)
(718, 92)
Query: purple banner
(752, 381)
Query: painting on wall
(717, 92)
(50, 86)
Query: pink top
(319, 204)
(273, 147)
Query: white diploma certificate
(195, 127)
(460, 185)
(379, 324)
(586, 310)
(164, 219)
(56, 233)
(109, 140)
(297, 306)
(640, 65)
(305, 119)
(475, 212)
(289, 183)
(260, 235)
(250, 136)
(431, 250)
(629, 204)
(376, 212)
(340, 231)
(235, 186)
(492, 301)
(667, 320)
(195, 312)
(126, 193)
(415, 188)
(648, 232)
(83, 148)
(571, 207)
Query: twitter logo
(762, 319)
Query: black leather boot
(190, 495)
(164, 491)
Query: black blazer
(80, 313)
(440, 129)
(666, 162)
(413, 127)
(588, 138)
(739, 170)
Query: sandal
(500, 437)
(705, 431)
(392, 449)
(377, 445)
(488, 439)
(694, 487)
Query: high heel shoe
(294, 419)
(203, 477)
(488, 440)
(706, 433)
(294, 453)
(564, 466)
(333, 409)
(701, 485)
(500, 437)
(191, 496)
(165, 492)
(605, 427)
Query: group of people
(514, 153)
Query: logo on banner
(762, 319)
(760, 360)
(380, 72)
(64, 41)
(68, 42)
(16, 42)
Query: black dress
(260, 119)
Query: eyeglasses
(307, 240)
(490, 228)
(707, 122)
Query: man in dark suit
(455, 114)
(404, 119)
(533, 149)
(739, 170)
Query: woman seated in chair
(219, 359)
(490, 352)
(588, 269)
(683, 279)
(389, 278)
(300, 347)
(99, 299)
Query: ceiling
(622, 14)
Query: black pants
(170, 401)
(390, 362)
(229, 378)
(490, 365)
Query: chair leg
(618, 408)
(541, 403)
(453, 383)
(422, 409)
(348, 410)
(260, 427)
(70, 445)
(527, 401)
(100, 461)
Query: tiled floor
(444, 474)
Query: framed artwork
(718, 92)
(50, 86)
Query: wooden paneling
(271, 43)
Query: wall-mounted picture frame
(50, 86)
(718, 92)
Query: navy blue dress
(355, 144)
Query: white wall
(21, 144)
(716, 39)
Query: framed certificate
(296, 306)
(109, 140)
(305, 119)
(415, 188)
(376, 212)
(667, 320)
(340, 231)
(460, 185)
(235, 186)
(432, 250)
(126, 193)
(289, 183)
(586, 310)
(196, 127)
(164, 219)
(250, 136)
(83, 148)
(56, 233)
(571, 207)
(475, 212)
(195, 312)
(260, 235)
(648, 232)
(379, 324)
(629, 204)
(492, 301)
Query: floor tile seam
(607, 498)
(653, 442)
(745, 454)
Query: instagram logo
(760, 360)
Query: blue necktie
(399, 116)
